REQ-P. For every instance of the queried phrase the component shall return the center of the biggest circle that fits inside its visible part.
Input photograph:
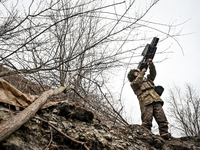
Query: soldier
(150, 102)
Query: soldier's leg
(147, 116)
(160, 118)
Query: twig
(124, 121)
(112, 105)
(50, 141)
(73, 140)
(9, 110)
(71, 78)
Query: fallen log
(14, 123)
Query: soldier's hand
(150, 61)
(144, 70)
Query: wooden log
(14, 123)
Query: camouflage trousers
(154, 110)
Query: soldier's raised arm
(152, 69)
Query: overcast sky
(179, 68)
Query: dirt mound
(78, 124)
(73, 125)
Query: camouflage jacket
(144, 87)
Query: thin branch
(49, 141)
(68, 137)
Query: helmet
(131, 75)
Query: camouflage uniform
(150, 101)
(154, 110)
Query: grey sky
(178, 69)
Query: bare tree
(184, 108)
(50, 40)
